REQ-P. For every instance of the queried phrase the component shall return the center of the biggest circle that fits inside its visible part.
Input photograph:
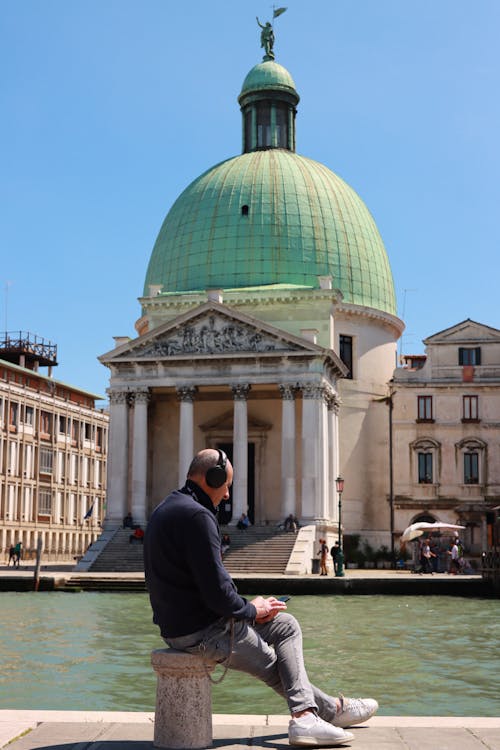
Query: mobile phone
(284, 598)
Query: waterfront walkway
(58, 576)
(79, 730)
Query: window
(471, 468)
(44, 502)
(13, 414)
(470, 409)
(46, 460)
(45, 423)
(425, 409)
(29, 415)
(468, 356)
(244, 210)
(263, 125)
(345, 351)
(425, 468)
(281, 115)
(62, 425)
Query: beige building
(446, 429)
(53, 449)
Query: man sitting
(137, 536)
(198, 609)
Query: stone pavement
(80, 730)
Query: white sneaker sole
(306, 741)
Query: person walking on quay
(198, 609)
(454, 553)
(426, 556)
(12, 556)
(335, 553)
(323, 553)
(18, 553)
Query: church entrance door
(226, 508)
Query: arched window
(471, 461)
(426, 453)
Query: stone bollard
(183, 717)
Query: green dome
(272, 217)
(268, 75)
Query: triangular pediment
(468, 332)
(211, 330)
(225, 423)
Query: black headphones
(217, 475)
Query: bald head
(202, 462)
(197, 472)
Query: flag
(89, 512)
(278, 12)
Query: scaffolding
(27, 350)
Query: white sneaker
(311, 731)
(354, 711)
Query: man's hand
(267, 608)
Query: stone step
(259, 549)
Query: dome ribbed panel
(303, 222)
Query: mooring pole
(39, 548)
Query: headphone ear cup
(215, 477)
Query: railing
(28, 343)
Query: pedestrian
(12, 556)
(18, 553)
(454, 558)
(128, 521)
(426, 556)
(335, 554)
(198, 609)
(323, 557)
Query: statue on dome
(267, 34)
(267, 39)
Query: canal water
(416, 655)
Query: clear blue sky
(111, 107)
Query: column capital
(141, 395)
(241, 391)
(287, 391)
(117, 396)
(333, 403)
(313, 390)
(186, 393)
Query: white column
(333, 454)
(288, 459)
(240, 451)
(140, 455)
(186, 396)
(314, 453)
(117, 463)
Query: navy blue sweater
(188, 585)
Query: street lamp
(339, 484)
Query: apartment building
(53, 448)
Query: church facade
(269, 330)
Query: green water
(415, 655)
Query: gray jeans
(272, 652)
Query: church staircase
(258, 549)
(120, 556)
